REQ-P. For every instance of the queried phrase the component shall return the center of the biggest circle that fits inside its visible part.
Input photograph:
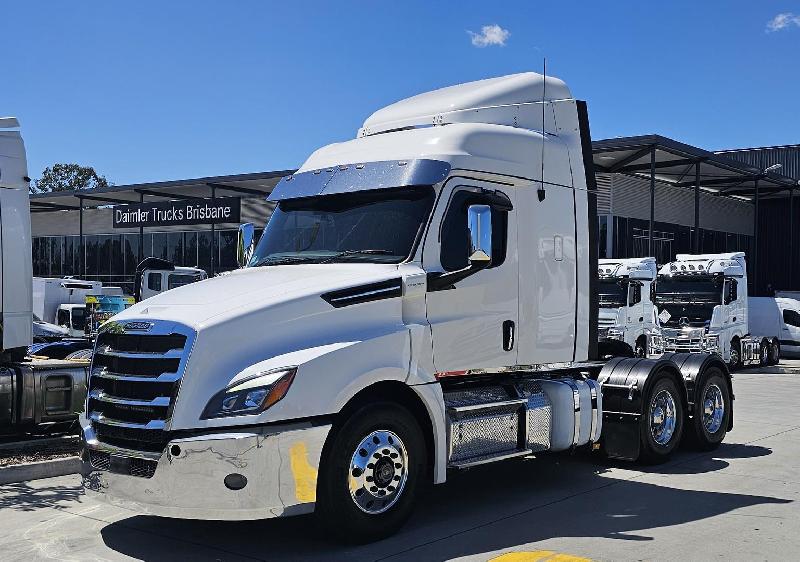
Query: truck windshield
(689, 301)
(368, 226)
(698, 290)
(612, 293)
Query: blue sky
(150, 91)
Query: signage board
(173, 213)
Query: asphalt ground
(739, 502)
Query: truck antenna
(541, 192)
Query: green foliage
(68, 177)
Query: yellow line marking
(305, 475)
(539, 556)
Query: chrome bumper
(280, 465)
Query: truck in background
(703, 306)
(424, 298)
(781, 316)
(155, 275)
(33, 393)
(626, 291)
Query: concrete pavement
(739, 502)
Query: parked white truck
(626, 291)
(703, 306)
(424, 298)
(33, 393)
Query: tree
(68, 177)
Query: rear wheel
(662, 422)
(775, 352)
(712, 412)
(370, 474)
(764, 353)
(735, 360)
(641, 347)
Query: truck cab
(702, 301)
(626, 291)
(154, 276)
(422, 299)
(72, 317)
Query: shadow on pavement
(488, 508)
(21, 496)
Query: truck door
(474, 324)
(790, 331)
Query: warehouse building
(655, 197)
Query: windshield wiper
(347, 253)
(284, 261)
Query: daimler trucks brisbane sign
(190, 211)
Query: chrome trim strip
(171, 354)
(492, 458)
(163, 377)
(153, 425)
(365, 294)
(576, 398)
(487, 405)
(159, 401)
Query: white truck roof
(635, 268)
(730, 264)
(505, 100)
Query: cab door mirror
(246, 244)
(479, 223)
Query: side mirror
(246, 244)
(479, 223)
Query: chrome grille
(133, 385)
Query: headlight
(252, 395)
(712, 342)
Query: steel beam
(104, 199)
(628, 159)
(659, 165)
(697, 208)
(163, 194)
(652, 199)
(236, 189)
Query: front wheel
(662, 421)
(641, 347)
(712, 412)
(370, 474)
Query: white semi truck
(33, 393)
(424, 298)
(703, 306)
(626, 293)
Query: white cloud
(490, 35)
(782, 21)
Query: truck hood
(222, 298)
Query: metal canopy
(253, 185)
(678, 164)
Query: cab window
(792, 318)
(154, 281)
(455, 234)
(63, 318)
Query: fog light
(235, 481)
(175, 451)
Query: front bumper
(279, 463)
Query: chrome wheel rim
(378, 472)
(713, 409)
(662, 417)
(764, 355)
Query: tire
(735, 360)
(641, 347)
(764, 353)
(712, 412)
(376, 508)
(775, 352)
(663, 405)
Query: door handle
(508, 335)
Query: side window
(635, 292)
(455, 235)
(63, 317)
(791, 317)
(154, 281)
(731, 291)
